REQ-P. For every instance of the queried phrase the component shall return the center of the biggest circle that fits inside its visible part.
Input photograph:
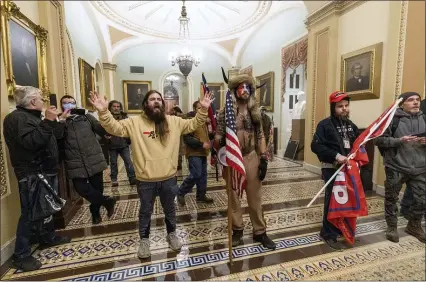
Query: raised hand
(98, 101)
(207, 100)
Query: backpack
(394, 126)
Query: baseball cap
(338, 96)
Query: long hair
(252, 107)
(161, 125)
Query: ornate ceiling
(208, 19)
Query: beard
(156, 113)
(343, 116)
(252, 107)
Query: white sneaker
(174, 241)
(144, 251)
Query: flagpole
(229, 191)
(372, 129)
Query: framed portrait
(248, 70)
(24, 50)
(134, 92)
(265, 94)
(87, 82)
(361, 72)
(218, 90)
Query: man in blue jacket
(332, 142)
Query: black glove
(263, 167)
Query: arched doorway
(172, 89)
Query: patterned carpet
(384, 261)
(107, 251)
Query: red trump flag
(348, 199)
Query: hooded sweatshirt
(408, 158)
(152, 160)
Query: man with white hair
(33, 150)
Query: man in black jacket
(33, 149)
(332, 142)
(119, 146)
(84, 159)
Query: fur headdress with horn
(252, 104)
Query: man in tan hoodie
(155, 140)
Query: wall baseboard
(7, 250)
(312, 168)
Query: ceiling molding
(331, 8)
(229, 45)
(117, 35)
(125, 44)
(260, 13)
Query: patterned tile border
(125, 189)
(128, 210)
(194, 234)
(185, 262)
(276, 163)
(362, 263)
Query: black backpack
(394, 126)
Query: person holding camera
(84, 159)
(33, 152)
(404, 145)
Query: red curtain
(291, 57)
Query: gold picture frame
(134, 92)
(13, 19)
(87, 82)
(361, 72)
(218, 89)
(266, 100)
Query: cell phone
(80, 112)
(52, 100)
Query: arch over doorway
(187, 101)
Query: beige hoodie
(152, 160)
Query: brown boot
(392, 234)
(415, 229)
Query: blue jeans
(44, 228)
(197, 176)
(328, 230)
(125, 155)
(148, 191)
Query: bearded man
(119, 146)
(155, 147)
(332, 142)
(253, 148)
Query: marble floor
(107, 251)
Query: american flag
(234, 158)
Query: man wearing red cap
(332, 142)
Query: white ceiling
(208, 19)
(225, 26)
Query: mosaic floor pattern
(384, 261)
(193, 234)
(127, 210)
(126, 189)
(276, 163)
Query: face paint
(243, 90)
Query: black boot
(265, 241)
(332, 243)
(109, 204)
(237, 237)
(205, 200)
(133, 181)
(26, 264)
(96, 216)
(58, 240)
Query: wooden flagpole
(229, 191)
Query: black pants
(148, 191)
(328, 230)
(92, 189)
(43, 228)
